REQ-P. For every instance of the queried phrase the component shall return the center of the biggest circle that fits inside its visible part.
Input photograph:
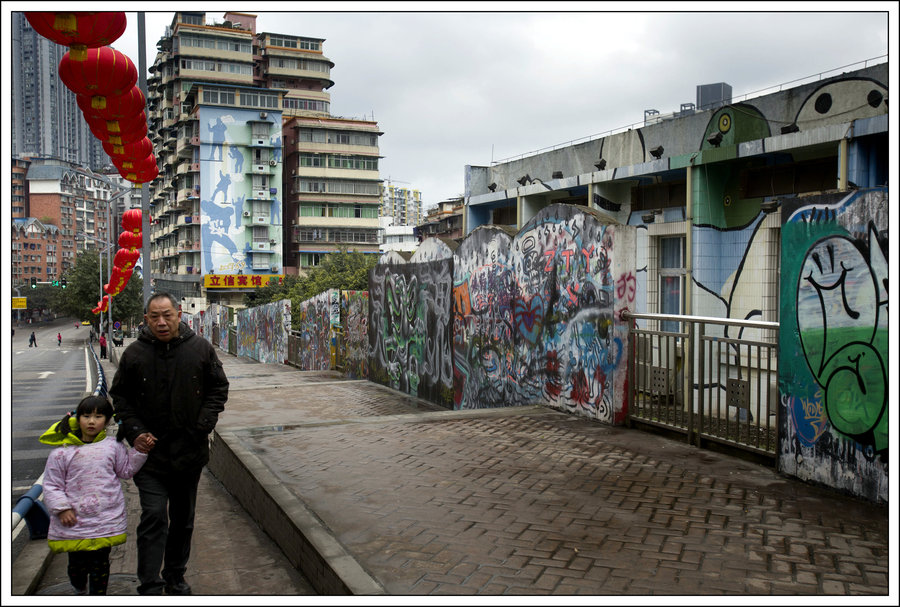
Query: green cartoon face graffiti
(838, 304)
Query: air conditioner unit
(273, 162)
(246, 213)
(272, 242)
(263, 114)
(260, 245)
(274, 268)
(260, 219)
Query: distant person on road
(83, 493)
(102, 346)
(170, 389)
(58, 339)
(32, 341)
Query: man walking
(168, 392)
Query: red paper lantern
(135, 149)
(126, 258)
(135, 166)
(116, 125)
(144, 176)
(79, 31)
(131, 220)
(137, 132)
(131, 240)
(110, 108)
(104, 71)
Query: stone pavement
(368, 491)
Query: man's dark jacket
(175, 390)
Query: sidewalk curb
(307, 542)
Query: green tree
(343, 269)
(82, 293)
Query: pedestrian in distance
(32, 341)
(169, 389)
(83, 491)
(102, 346)
(58, 339)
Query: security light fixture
(524, 178)
(600, 164)
(791, 128)
(769, 206)
(715, 139)
(657, 152)
(492, 187)
(557, 175)
(648, 217)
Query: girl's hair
(98, 404)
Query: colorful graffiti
(483, 289)
(355, 323)
(263, 332)
(410, 329)
(318, 316)
(563, 315)
(834, 339)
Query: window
(671, 278)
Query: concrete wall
(410, 328)
(533, 317)
(354, 346)
(318, 316)
(262, 332)
(833, 360)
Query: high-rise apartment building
(333, 187)
(403, 204)
(66, 209)
(46, 120)
(222, 98)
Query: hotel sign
(239, 281)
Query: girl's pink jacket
(86, 478)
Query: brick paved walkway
(531, 501)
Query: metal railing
(711, 379)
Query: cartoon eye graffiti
(724, 123)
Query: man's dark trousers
(168, 502)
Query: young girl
(83, 493)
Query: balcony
(266, 167)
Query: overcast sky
(453, 88)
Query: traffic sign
(20, 303)
(117, 325)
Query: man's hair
(158, 295)
(95, 403)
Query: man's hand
(144, 442)
(68, 518)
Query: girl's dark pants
(89, 566)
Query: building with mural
(771, 208)
(219, 93)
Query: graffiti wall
(354, 348)
(263, 332)
(410, 328)
(569, 344)
(318, 316)
(833, 362)
(510, 319)
(484, 370)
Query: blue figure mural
(239, 209)
(222, 186)
(276, 211)
(216, 229)
(234, 152)
(217, 132)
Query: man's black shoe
(150, 589)
(178, 587)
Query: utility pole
(145, 194)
